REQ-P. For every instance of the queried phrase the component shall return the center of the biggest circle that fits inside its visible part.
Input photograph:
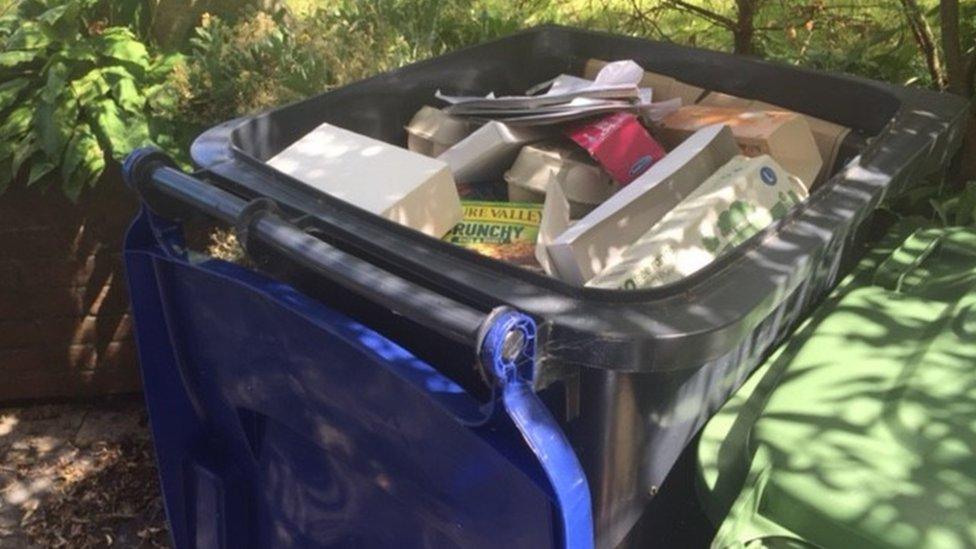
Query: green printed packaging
(740, 199)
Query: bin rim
(688, 322)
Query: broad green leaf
(18, 121)
(79, 51)
(54, 123)
(28, 36)
(119, 43)
(14, 58)
(114, 73)
(57, 74)
(40, 167)
(10, 90)
(22, 151)
(163, 65)
(90, 87)
(122, 131)
(61, 22)
(83, 163)
(128, 96)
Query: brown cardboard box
(539, 167)
(781, 134)
(828, 135)
(576, 253)
(389, 181)
(742, 198)
(432, 131)
(663, 87)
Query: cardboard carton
(739, 200)
(781, 134)
(556, 218)
(403, 186)
(432, 131)
(577, 253)
(490, 150)
(828, 135)
(540, 167)
(502, 230)
(663, 87)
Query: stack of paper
(615, 88)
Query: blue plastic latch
(507, 352)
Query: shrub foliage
(74, 91)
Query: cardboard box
(502, 230)
(540, 167)
(576, 254)
(403, 186)
(742, 198)
(663, 87)
(490, 150)
(432, 131)
(619, 143)
(781, 134)
(828, 135)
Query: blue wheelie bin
(361, 384)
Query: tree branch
(926, 41)
(716, 18)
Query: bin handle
(170, 192)
(504, 340)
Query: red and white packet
(619, 143)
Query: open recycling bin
(364, 384)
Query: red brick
(72, 358)
(50, 383)
(107, 299)
(18, 334)
(94, 269)
(64, 328)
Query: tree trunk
(960, 71)
(744, 32)
(960, 68)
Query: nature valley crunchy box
(502, 230)
(739, 200)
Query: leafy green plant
(233, 69)
(75, 92)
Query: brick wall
(64, 322)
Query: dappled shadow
(63, 301)
(869, 430)
(78, 476)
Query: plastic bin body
(859, 432)
(279, 422)
(629, 376)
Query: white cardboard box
(784, 135)
(432, 131)
(828, 135)
(597, 241)
(490, 150)
(389, 181)
(541, 166)
(739, 200)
